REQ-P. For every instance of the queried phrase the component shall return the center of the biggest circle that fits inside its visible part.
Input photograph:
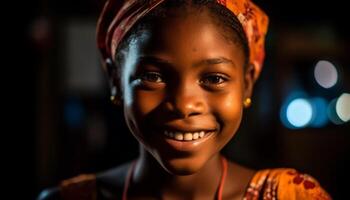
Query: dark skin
(183, 75)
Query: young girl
(183, 71)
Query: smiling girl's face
(183, 89)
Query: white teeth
(188, 136)
(179, 136)
(201, 134)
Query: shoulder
(79, 187)
(106, 185)
(286, 184)
(110, 183)
(49, 194)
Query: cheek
(228, 109)
(140, 104)
(144, 102)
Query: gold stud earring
(114, 99)
(247, 102)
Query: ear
(251, 74)
(114, 83)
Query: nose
(186, 100)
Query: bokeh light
(342, 107)
(332, 113)
(298, 113)
(74, 113)
(326, 74)
(319, 112)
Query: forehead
(188, 35)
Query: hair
(221, 16)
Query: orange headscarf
(118, 16)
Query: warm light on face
(182, 81)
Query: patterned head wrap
(118, 16)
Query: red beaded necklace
(220, 188)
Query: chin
(182, 166)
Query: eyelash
(219, 79)
(214, 79)
(148, 76)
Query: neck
(151, 179)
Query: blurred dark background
(299, 117)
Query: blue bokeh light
(74, 112)
(299, 112)
(296, 112)
(319, 112)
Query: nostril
(193, 114)
(185, 107)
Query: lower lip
(188, 145)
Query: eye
(154, 77)
(214, 79)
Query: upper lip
(185, 129)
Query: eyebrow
(155, 60)
(215, 61)
(209, 61)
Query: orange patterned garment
(284, 184)
(268, 184)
